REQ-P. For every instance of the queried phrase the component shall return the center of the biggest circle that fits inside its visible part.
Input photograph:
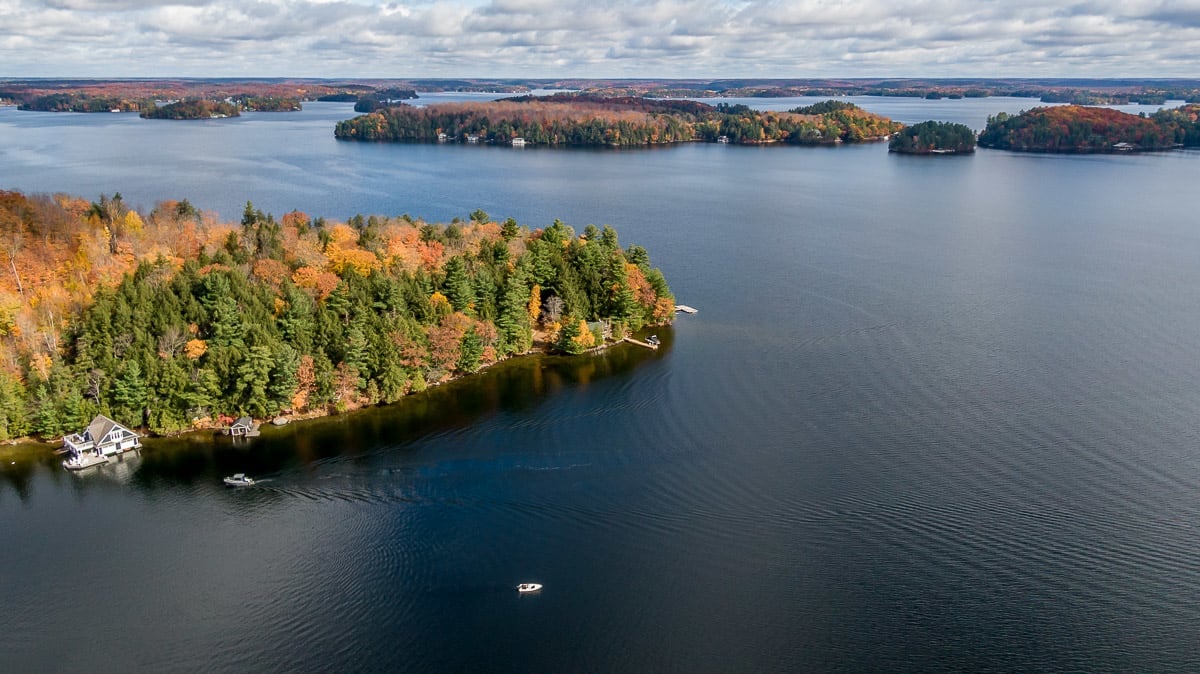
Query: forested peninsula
(1078, 129)
(173, 320)
(586, 120)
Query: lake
(935, 414)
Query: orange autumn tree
(174, 318)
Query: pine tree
(470, 351)
(131, 394)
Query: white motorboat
(525, 588)
(239, 480)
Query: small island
(934, 138)
(1079, 129)
(193, 109)
(383, 98)
(171, 320)
(252, 103)
(591, 120)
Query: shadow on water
(515, 386)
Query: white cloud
(599, 38)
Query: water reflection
(203, 458)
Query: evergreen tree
(457, 286)
(131, 394)
(470, 351)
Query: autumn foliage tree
(170, 318)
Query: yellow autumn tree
(535, 303)
(195, 348)
(585, 339)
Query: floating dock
(683, 308)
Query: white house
(102, 437)
(518, 142)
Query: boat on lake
(526, 588)
(239, 480)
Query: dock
(648, 345)
(685, 309)
(84, 461)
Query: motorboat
(239, 480)
(526, 588)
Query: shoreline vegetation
(173, 321)
(589, 120)
(1078, 129)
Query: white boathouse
(101, 439)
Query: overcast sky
(600, 38)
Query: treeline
(933, 138)
(382, 98)
(818, 124)
(193, 109)
(188, 109)
(268, 103)
(824, 107)
(208, 320)
(81, 103)
(1071, 128)
(623, 121)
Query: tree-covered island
(1078, 129)
(171, 320)
(193, 109)
(252, 103)
(567, 119)
(934, 138)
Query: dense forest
(566, 119)
(172, 320)
(80, 103)
(934, 138)
(193, 109)
(268, 103)
(1072, 128)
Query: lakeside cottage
(518, 142)
(101, 439)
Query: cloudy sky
(600, 38)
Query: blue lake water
(935, 414)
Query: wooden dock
(685, 309)
(648, 345)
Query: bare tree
(552, 308)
